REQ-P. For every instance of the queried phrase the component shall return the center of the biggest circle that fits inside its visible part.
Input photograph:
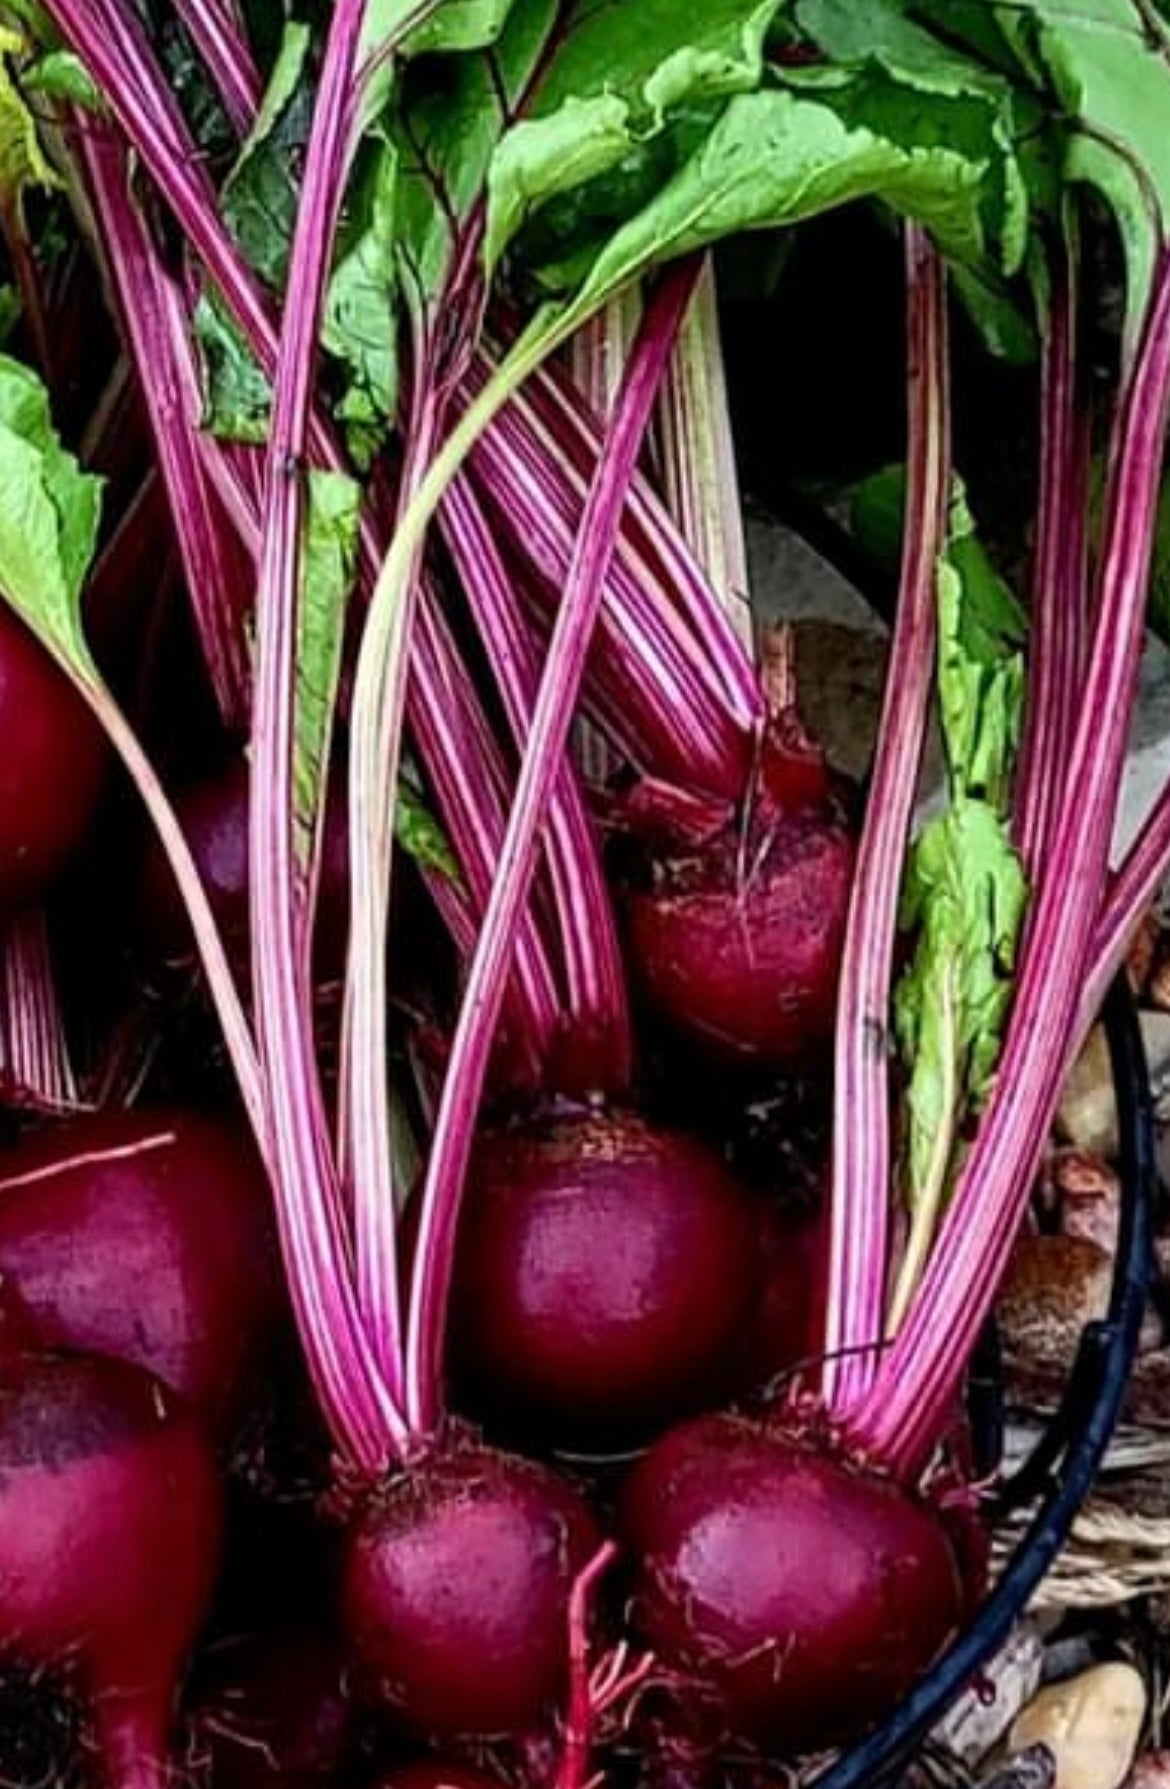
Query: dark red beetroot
(455, 1589)
(109, 1538)
(747, 965)
(736, 931)
(147, 1236)
(277, 1715)
(606, 1271)
(796, 1593)
(214, 816)
(51, 768)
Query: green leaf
(980, 666)
(419, 833)
(361, 314)
(964, 898)
(1103, 69)
(260, 195)
(49, 510)
(964, 893)
(617, 79)
(22, 160)
(329, 546)
(237, 396)
(451, 117)
(59, 74)
(455, 25)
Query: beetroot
(213, 813)
(278, 1716)
(109, 1537)
(724, 1517)
(455, 1588)
(148, 1236)
(745, 961)
(605, 1271)
(51, 770)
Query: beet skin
(605, 1274)
(110, 1524)
(455, 1592)
(799, 1595)
(740, 949)
(147, 1236)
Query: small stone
(978, 1720)
(1156, 1042)
(1091, 1724)
(1151, 1771)
(1053, 1287)
(1142, 955)
(1087, 1116)
(1088, 1196)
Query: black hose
(1065, 1462)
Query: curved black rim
(1061, 1469)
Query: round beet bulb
(148, 1236)
(109, 1539)
(798, 1594)
(213, 814)
(739, 949)
(51, 769)
(606, 1270)
(455, 1590)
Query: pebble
(978, 1720)
(1088, 1195)
(1091, 1724)
(1053, 1286)
(1087, 1115)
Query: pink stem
(1058, 620)
(908, 1404)
(36, 1048)
(155, 328)
(351, 1345)
(861, 1131)
(547, 740)
(215, 32)
(597, 1019)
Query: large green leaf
(49, 511)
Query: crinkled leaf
(964, 898)
(59, 74)
(449, 122)
(260, 195)
(49, 510)
(237, 396)
(980, 665)
(22, 160)
(619, 76)
(361, 312)
(964, 894)
(778, 158)
(1104, 68)
(329, 544)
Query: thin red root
(593, 1690)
